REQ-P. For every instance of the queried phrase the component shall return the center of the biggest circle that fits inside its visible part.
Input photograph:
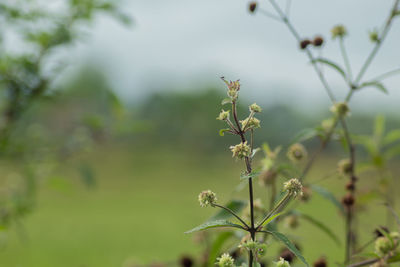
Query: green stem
(233, 213)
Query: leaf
(392, 152)
(255, 152)
(226, 101)
(376, 84)
(235, 205)
(222, 131)
(321, 226)
(329, 196)
(379, 127)
(331, 64)
(281, 237)
(395, 258)
(217, 245)
(214, 224)
(253, 174)
(270, 219)
(304, 135)
(391, 137)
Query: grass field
(143, 202)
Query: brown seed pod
(306, 194)
(304, 43)
(287, 255)
(186, 261)
(321, 262)
(252, 7)
(350, 186)
(318, 41)
(348, 200)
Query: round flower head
(282, 263)
(341, 109)
(233, 88)
(383, 245)
(252, 7)
(374, 36)
(345, 167)
(296, 152)
(250, 123)
(223, 116)
(241, 150)
(207, 198)
(293, 186)
(338, 31)
(327, 125)
(225, 261)
(255, 108)
(250, 245)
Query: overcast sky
(184, 44)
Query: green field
(143, 202)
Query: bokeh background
(132, 122)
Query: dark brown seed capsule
(287, 255)
(252, 7)
(321, 262)
(186, 261)
(318, 41)
(350, 186)
(304, 43)
(348, 200)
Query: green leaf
(392, 137)
(379, 127)
(270, 219)
(235, 205)
(304, 135)
(392, 152)
(395, 258)
(214, 224)
(222, 131)
(332, 65)
(320, 225)
(217, 245)
(329, 196)
(226, 101)
(253, 174)
(376, 84)
(281, 237)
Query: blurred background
(105, 167)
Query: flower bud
(296, 152)
(223, 116)
(207, 198)
(345, 167)
(252, 6)
(255, 108)
(341, 109)
(250, 123)
(293, 186)
(241, 150)
(383, 245)
(250, 245)
(374, 36)
(318, 41)
(225, 261)
(282, 263)
(233, 88)
(304, 43)
(338, 31)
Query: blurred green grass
(143, 202)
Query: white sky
(190, 43)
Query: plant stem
(280, 204)
(346, 60)
(233, 213)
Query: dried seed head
(287, 255)
(241, 150)
(250, 123)
(255, 108)
(282, 263)
(207, 198)
(296, 152)
(321, 262)
(348, 200)
(225, 261)
(338, 31)
(304, 43)
(345, 167)
(293, 186)
(252, 6)
(318, 41)
(350, 186)
(307, 193)
(233, 88)
(223, 115)
(341, 109)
